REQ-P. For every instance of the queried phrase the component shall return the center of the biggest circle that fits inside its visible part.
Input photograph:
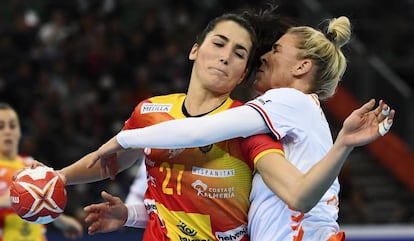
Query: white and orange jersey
(298, 121)
(199, 193)
(12, 227)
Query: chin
(258, 88)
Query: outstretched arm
(191, 132)
(80, 172)
(303, 191)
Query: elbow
(303, 205)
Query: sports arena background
(74, 70)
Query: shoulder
(285, 94)
(165, 98)
(288, 97)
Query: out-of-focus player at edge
(12, 227)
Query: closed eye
(275, 48)
(219, 44)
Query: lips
(219, 70)
(8, 142)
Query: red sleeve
(256, 146)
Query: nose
(224, 61)
(263, 58)
(225, 55)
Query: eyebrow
(275, 46)
(238, 46)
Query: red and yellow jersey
(12, 227)
(194, 193)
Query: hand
(109, 163)
(363, 125)
(70, 227)
(33, 165)
(92, 158)
(36, 163)
(106, 217)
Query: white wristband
(137, 216)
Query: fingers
(92, 217)
(36, 163)
(385, 125)
(91, 164)
(113, 169)
(386, 111)
(108, 197)
(62, 176)
(366, 107)
(73, 234)
(94, 228)
(93, 208)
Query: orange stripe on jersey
(316, 99)
(298, 217)
(299, 237)
(337, 237)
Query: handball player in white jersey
(296, 199)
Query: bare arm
(303, 191)
(80, 172)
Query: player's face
(9, 131)
(220, 61)
(278, 65)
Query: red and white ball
(38, 195)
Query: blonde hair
(325, 51)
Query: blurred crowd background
(74, 70)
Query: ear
(304, 66)
(193, 52)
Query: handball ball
(38, 195)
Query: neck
(8, 156)
(199, 104)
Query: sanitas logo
(148, 108)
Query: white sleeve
(137, 216)
(240, 121)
